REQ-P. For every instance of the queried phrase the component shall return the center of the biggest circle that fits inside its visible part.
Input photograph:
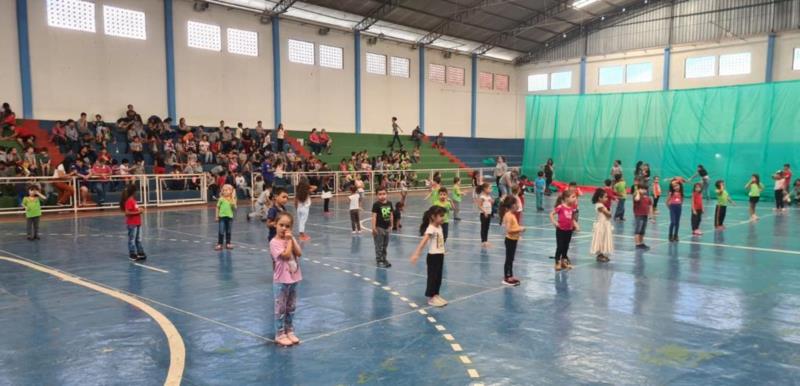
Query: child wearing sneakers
(285, 252)
(226, 206)
(355, 208)
(723, 199)
(697, 208)
(33, 211)
(431, 231)
(562, 218)
(641, 210)
(382, 221)
(133, 221)
(279, 200)
(513, 231)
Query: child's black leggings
(485, 221)
(326, 203)
(562, 243)
(719, 215)
(696, 219)
(435, 267)
(511, 250)
(355, 222)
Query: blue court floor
(720, 309)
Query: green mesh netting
(732, 131)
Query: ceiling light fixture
(583, 3)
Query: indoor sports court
(438, 192)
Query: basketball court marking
(177, 350)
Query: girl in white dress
(602, 237)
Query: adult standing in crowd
(549, 171)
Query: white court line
(151, 268)
(177, 349)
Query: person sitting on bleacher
(313, 141)
(325, 141)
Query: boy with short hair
(641, 211)
(620, 190)
(382, 222)
(280, 198)
(33, 211)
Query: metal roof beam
(280, 7)
(456, 17)
(377, 15)
(529, 22)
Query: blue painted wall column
(421, 75)
(169, 45)
(770, 56)
(582, 80)
(276, 69)
(474, 98)
(24, 59)
(357, 69)
(667, 59)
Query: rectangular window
(700, 67)
(400, 67)
(486, 80)
(501, 82)
(330, 57)
(734, 64)
(796, 65)
(561, 80)
(301, 52)
(376, 64)
(455, 75)
(71, 14)
(242, 42)
(537, 82)
(609, 76)
(204, 36)
(639, 73)
(124, 23)
(436, 73)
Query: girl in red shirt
(697, 208)
(562, 218)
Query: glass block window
(561, 80)
(501, 82)
(301, 52)
(537, 82)
(734, 64)
(400, 67)
(609, 76)
(796, 64)
(204, 36)
(330, 57)
(71, 14)
(436, 73)
(639, 73)
(242, 42)
(700, 67)
(125, 23)
(485, 80)
(455, 75)
(376, 64)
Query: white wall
(594, 64)
(213, 86)
(447, 106)
(74, 71)
(756, 46)
(497, 110)
(385, 96)
(314, 96)
(784, 57)
(11, 90)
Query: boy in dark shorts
(641, 210)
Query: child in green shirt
(621, 190)
(723, 199)
(225, 208)
(456, 197)
(33, 211)
(445, 202)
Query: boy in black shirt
(382, 221)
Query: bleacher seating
(472, 151)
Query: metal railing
(155, 190)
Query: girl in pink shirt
(565, 223)
(285, 251)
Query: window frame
(73, 24)
(701, 76)
(140, 14)
(189, 39)
(367, 63)
(749, 67)
(292, 54)
(559, 73)
(621, 68)
(244, 32)
(392, 66)
(627, 73)
(541, 76)
(333, 66)
(508, 82)
(444, 73)
(456, 69)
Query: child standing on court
(226, 206)
(754, 189)
(398, 215)
(33, 211)
(656, 193)
(675, 205)
(621, 191)
(513, 231)
(285, 252)
(641, 210)
(539, 184)
(485, 203)
(723, 199)
(697, 208)
(355, 208)
(382, 221)
(133, 221)
(602, 237)
(279, 200)
(431, 231)
(444, 202)
(566, 225)
(302, 202)
(456, 198)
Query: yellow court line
(177, 350)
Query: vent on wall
(447, 54)
(200, 5)
(323, 31)
(372, 40)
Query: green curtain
(732, 131)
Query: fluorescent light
(583, 3)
